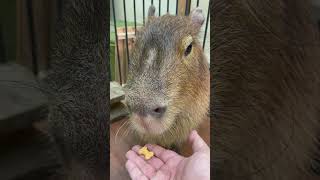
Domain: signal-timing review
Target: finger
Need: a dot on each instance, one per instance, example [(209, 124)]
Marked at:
[(145, 168), (161, 153), (136, 149), (154, 161), (197, 142), (134, 171)]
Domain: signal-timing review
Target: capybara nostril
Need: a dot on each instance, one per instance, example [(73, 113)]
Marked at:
[(146, 109), (159, 111)]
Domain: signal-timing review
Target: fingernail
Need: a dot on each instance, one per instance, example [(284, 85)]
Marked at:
[(127, 154), (194, 131), (149, 145)]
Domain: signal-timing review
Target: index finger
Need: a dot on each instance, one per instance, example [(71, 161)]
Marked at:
[(146, 168)]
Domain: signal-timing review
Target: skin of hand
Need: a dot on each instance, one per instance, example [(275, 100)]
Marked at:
[(168, 165)]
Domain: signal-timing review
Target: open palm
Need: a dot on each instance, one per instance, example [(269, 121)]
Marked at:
[(168, 165)]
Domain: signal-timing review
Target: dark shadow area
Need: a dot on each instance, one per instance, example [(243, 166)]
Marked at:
[(28, 31)]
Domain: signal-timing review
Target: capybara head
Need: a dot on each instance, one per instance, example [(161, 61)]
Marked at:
[(168, 82)]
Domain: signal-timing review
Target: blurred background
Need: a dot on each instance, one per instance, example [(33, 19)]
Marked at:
[(26, 34)]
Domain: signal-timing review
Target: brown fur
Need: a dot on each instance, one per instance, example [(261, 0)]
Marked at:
[(266, 95), (182, 82)]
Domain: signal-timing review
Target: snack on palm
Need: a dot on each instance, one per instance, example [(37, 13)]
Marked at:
[(147, 154)]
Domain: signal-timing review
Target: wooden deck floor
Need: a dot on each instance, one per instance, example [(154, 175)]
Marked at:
[(124, 143)]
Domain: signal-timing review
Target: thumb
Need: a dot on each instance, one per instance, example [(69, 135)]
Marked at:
[(197, 142)]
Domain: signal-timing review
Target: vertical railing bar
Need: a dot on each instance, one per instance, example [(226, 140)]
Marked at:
[(197, 3), (115, 29), (59, 9), (205, 31), (3, 57), (167, 6), (159, 7), (109, 62), (33, 44), (126, 28), (143, 10), (108, 49), (59, 16), (187, 8), (135, 20), (176, 7)]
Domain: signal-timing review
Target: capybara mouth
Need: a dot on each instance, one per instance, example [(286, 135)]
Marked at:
[(148, 124)]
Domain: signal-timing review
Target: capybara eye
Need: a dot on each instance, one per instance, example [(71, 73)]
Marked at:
[(188, 50)]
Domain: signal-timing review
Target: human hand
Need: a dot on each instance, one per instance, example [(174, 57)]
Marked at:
[(168, 165)]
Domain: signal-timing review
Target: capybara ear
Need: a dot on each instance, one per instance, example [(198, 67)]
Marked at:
[(197, 18), (151, 13)]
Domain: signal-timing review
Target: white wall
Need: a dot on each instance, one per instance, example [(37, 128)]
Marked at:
[(119, 11)]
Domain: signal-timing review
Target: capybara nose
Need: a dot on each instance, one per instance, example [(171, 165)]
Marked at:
[(146, 109), (143, 106)]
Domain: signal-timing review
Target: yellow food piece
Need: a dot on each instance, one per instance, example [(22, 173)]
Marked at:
[(147, 154)]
